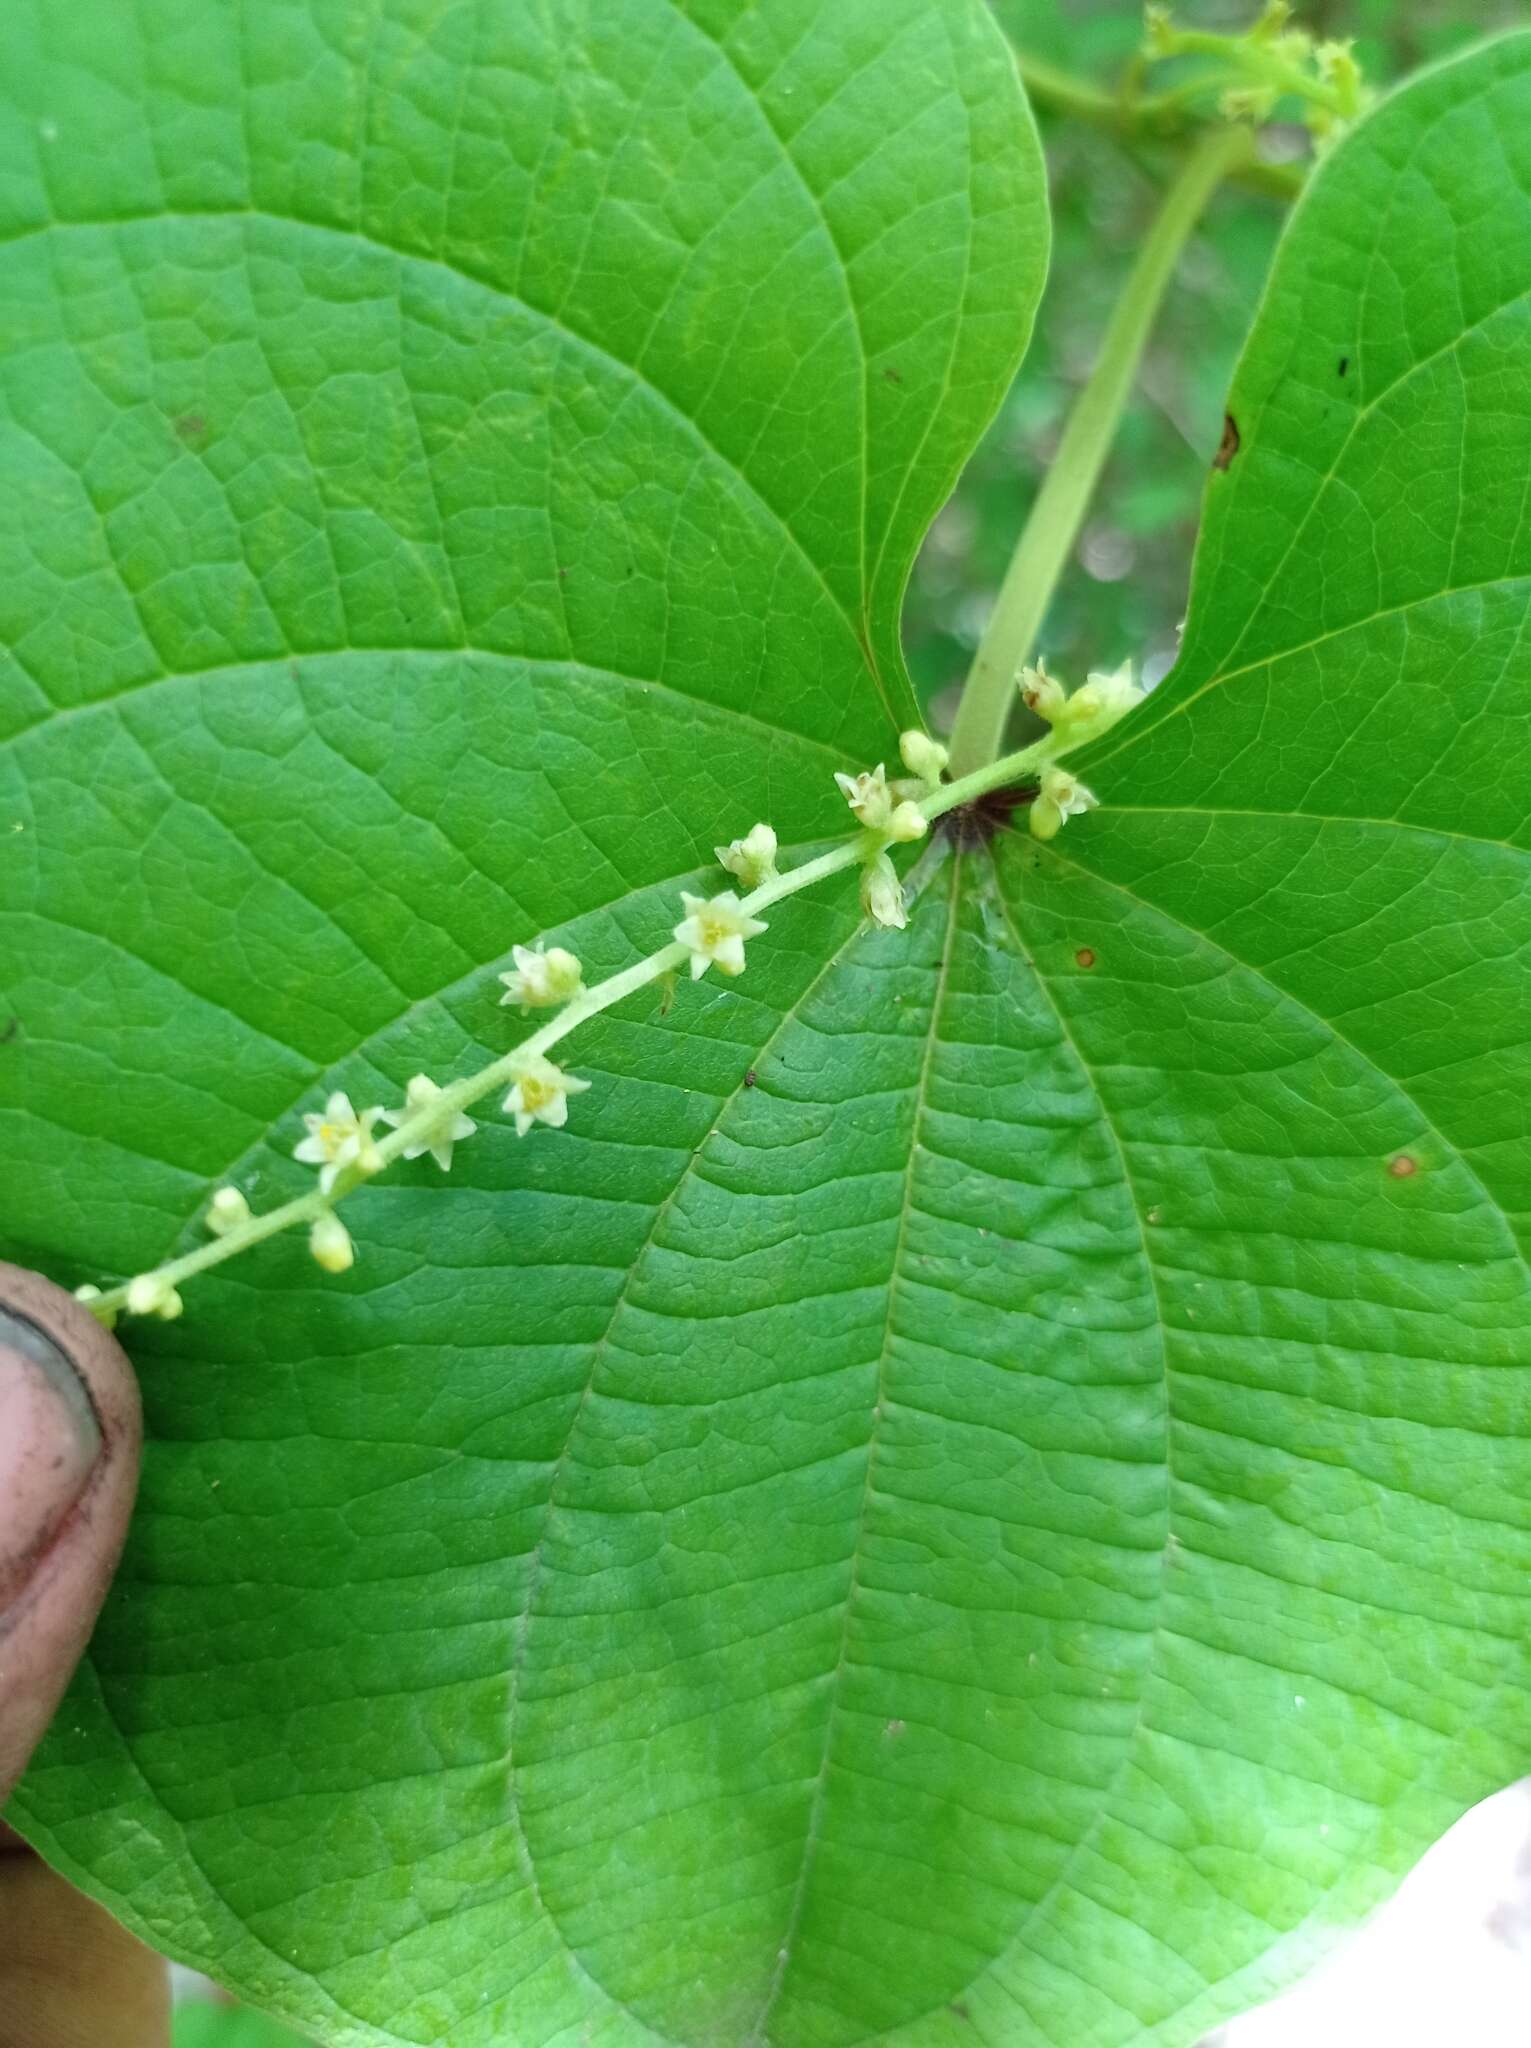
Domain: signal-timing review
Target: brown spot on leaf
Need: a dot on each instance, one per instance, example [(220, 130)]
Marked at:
[(893, 376), (191, 426), (1403, 1167), (1228, 447), (1085, 957), (750, 1077)]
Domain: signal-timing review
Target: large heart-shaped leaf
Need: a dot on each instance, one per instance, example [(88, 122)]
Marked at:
[(981, 1486)]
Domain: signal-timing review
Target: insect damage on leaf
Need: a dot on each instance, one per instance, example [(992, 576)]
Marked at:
[(1228, 447)]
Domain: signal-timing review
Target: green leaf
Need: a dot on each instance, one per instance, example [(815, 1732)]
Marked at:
[(462, 462), (981, 1487)]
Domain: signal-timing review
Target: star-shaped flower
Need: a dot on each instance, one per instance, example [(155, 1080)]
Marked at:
[(541, 1093), (436, 1131), (341, 1137), (714, 930), (1062, 796), (544, 976), (869, 797)]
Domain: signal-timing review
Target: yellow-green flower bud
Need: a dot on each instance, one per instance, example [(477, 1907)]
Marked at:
[(330, 1243), (1042, 693), (151, 1294), (922, 755), (227, 1211), (905, 822), (882, 896)]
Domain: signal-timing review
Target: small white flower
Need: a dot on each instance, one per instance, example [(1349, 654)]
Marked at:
[(869, 797), (922, 755), (544, 976), (1041, 693), (541, 1093), (752, 858), (436, 1133), (906, 822), (151, 1294), (1062, 797), (227, 1211), (330, 1243), (882, 896), (341, 1137), (714, 930)]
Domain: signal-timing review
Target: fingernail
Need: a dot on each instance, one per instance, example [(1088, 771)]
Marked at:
[(49, 1443)]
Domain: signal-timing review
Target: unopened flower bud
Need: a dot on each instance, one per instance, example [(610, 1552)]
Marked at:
[(906, 821), (882, 896), (1100, 702), (227, 1211), (1041, 692), (330, 1243), (86, 1295), (922, 755), (151, 1294)]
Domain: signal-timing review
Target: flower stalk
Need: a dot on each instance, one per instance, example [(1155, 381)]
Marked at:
[(1053, 526), (348, 1154)]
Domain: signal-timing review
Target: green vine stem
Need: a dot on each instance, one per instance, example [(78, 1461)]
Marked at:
[(1153, 117), (1050, 532), (459, 1095)]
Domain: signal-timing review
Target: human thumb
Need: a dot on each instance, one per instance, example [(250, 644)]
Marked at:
[(69, 1441)]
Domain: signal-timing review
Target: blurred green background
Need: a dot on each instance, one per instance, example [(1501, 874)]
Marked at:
[(1124, 590)]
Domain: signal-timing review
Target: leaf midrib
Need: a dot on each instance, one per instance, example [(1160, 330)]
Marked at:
[(524, 1622), (813, 1832)]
